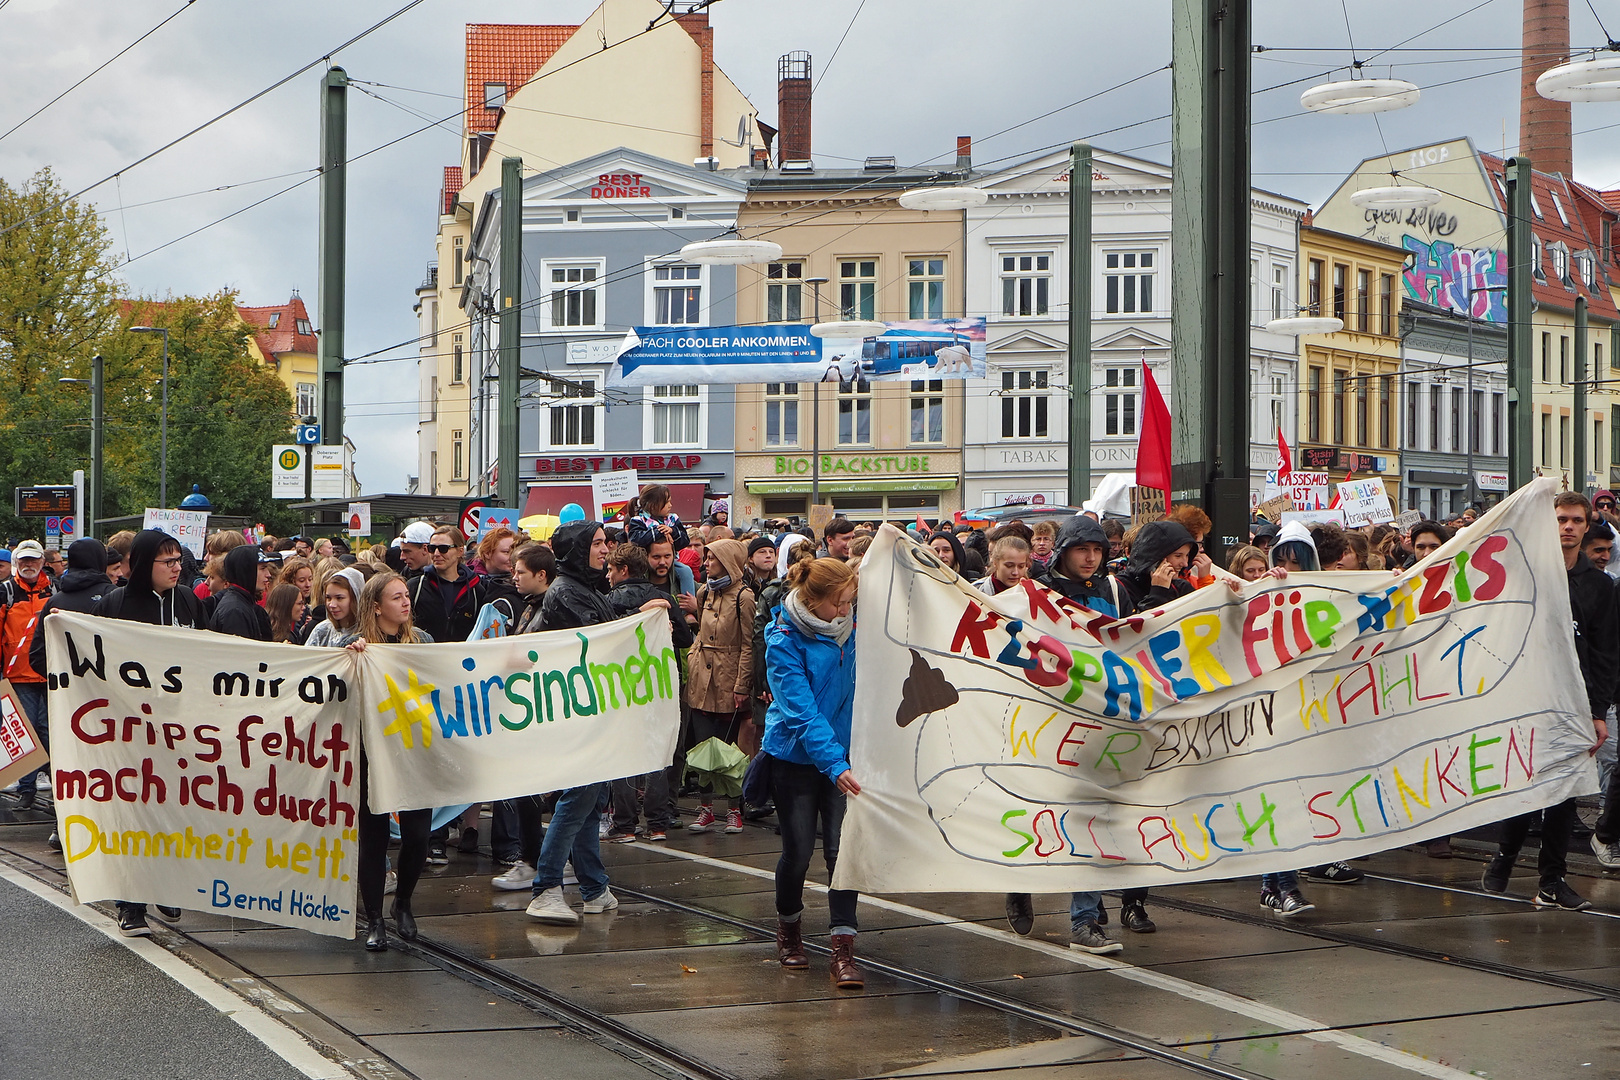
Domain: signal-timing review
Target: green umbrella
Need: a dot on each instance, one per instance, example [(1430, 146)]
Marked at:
[(719, 764)]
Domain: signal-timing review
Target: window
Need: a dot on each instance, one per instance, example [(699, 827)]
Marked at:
[(1313, 406), (1456, 420), (1614, 432), (1363, 300), (1386, 408), (1026, 284), (1535, 205), (1536, 269), (1024, 404), (855, 413), (1128, 281), (302, 325), (1560, 263), (570, 215), (458, 363), (784, 292), (1563, 442), (458, 455), (494, 98), (275, 320), (1341, 277), (1476, 410), (433, 398), (433, 471), (1279, 292), (1386, 305), (1496, 423), (781, 414), (1255, 305), (1546, 440), (304, 404), (857, 289), (1434, 417), (574, 423), (457, 260), (1338, 408), (1558, 205), (676, 415), (1584, 265), (1546, 358), (1597, 360), (1597, 445), (1276, 403), (1361, 411), (925, 288), (1563, 359), (1119, 401), (1313, 287), (677, 296), (928, 411), (575, 293), (1414, 394)]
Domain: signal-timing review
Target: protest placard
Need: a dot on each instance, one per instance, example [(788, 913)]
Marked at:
[(1308, 490), (1365, 502), (190, 527), (205, 772), (21, 752), (611, 492), (1036, 746)]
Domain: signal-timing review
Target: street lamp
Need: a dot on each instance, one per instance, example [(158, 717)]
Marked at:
[(1354, 96), (163, 439), (93, 511)]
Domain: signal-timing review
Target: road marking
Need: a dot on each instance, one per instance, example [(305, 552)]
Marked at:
[(249, 1015), (1220, 999)]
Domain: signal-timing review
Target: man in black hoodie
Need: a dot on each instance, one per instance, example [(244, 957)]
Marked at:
[(1597, 635), (247, 571), (81, 589), (151, 596), (1153, 574)]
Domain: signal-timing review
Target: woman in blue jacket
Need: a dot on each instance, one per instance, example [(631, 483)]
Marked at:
[(810, 666)]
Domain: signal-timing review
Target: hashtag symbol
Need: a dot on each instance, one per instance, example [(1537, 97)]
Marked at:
[(407, 707)]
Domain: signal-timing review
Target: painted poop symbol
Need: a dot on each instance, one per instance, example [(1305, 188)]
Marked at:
[(925, 691)]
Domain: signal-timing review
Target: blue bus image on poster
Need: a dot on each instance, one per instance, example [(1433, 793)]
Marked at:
[(913, 349)]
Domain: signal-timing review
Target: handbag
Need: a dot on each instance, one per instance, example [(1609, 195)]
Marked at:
[(756, 785)]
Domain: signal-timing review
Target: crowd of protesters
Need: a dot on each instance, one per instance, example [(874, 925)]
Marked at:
[(764, 625)]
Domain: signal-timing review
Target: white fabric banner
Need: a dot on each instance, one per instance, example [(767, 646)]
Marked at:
[(520, 715), (205, 772), (1034, 746)]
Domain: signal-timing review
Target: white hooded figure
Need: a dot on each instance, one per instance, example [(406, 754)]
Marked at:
[(1295, 549)]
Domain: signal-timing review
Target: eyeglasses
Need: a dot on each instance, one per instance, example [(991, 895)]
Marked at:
[(440, 549), (171, 563)]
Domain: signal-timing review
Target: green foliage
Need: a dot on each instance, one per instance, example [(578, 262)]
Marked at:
[(59, 306)]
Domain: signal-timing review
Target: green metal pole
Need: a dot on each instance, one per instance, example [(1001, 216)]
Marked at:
[(333, 227), (97, 419), (506, 436), (1521, 403), (1579, 482), (1079, 324)]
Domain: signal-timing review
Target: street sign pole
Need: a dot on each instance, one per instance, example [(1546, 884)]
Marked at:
[(333, 227), (506, 435)]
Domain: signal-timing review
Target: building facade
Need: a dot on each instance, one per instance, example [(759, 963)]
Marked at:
[(601, 255), (284, 340)]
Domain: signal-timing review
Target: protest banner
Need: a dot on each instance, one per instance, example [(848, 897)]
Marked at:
[(908, 349), (1324, 516), (204, 771), (611, 493), (1365, 502), (1306, 489), (1035, 746), (512, 716), (190, 527)]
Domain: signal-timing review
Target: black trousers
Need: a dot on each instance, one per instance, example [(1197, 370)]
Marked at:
[(802, 797), (1556, 823), (414, 826)]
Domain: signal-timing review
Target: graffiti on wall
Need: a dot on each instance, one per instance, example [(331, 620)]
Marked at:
[(1457, 279)]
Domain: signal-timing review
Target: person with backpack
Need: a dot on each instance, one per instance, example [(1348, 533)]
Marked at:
[(722, 663), (25, 594)]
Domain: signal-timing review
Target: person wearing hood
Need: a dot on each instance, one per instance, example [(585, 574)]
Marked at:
[(83, 585), (577, 598), (1153, 573), (152, 595), (721, 663), (949, 551), (248, 571), (1294, 550), (1265, 534)]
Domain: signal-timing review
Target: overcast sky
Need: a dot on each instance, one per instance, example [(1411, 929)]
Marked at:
[(908, 78)]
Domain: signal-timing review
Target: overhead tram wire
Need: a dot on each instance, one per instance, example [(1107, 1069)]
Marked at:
[(239, 106), (842, 37), (98, 70)]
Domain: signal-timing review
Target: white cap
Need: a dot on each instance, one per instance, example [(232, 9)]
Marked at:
[(417, 532), (28, 549)]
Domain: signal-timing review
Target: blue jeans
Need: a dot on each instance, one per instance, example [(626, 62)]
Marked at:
[(573, 837), (1085, 908), (1284, 881), (31, 696)]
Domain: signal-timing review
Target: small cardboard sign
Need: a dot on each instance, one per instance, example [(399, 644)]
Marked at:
[(1408, 519), (1275, 508), (21, 752), (820, 515), (612, 492), (1147, 504)]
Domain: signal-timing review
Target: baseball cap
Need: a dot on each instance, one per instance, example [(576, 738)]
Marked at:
[(5, 555), (417, 532), (28, 549)]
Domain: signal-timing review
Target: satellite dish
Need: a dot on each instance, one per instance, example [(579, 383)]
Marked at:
[(742, 132)]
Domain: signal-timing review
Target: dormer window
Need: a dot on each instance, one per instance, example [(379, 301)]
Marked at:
[(1535, 260), (1558, 205), (275, 320), (1560, 263), (304, 327), (494, 95)]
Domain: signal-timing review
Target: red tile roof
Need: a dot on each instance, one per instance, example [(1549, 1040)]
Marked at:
[(284, 336), (449, 189), (1550, 228), (498, 53), (1611, 198)]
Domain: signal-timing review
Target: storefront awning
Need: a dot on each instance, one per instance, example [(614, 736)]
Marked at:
[(551, 498), (772, 486)]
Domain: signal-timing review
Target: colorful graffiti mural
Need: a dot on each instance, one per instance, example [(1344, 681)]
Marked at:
[(1457, 279)]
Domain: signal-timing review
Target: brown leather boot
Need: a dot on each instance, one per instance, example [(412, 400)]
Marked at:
[(845, 975), (790, 946)]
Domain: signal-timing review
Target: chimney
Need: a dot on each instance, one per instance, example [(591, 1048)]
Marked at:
[(793, 107), (1545, 135), (964, 152), (696, 23)]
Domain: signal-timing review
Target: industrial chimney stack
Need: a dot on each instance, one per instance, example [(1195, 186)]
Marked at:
[(1545, 130), (793, 107)]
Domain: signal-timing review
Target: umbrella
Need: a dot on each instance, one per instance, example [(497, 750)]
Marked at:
[(719, 764), (539, 526)]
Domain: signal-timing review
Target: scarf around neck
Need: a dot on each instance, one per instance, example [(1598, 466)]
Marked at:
[(838, 629)]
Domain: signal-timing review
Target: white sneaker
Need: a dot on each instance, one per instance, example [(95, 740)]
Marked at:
[(550, 907), (1608, 855), (520, 876), (606, 902)]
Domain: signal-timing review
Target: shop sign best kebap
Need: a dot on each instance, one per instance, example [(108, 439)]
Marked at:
[(1036, 746), (218, 774)]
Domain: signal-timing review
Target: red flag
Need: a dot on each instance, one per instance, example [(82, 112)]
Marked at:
[(1153, 442), (922, 526), (1285, 459)]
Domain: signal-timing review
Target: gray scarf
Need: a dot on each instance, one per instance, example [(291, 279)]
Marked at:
[(838, 629)]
